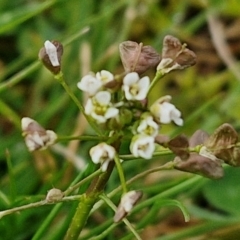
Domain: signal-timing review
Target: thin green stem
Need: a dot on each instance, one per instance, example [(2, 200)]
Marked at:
[(86, 179), (163, 152), (37, 204), (11, 175), (158, 76), (166, 166), (10, 114), (120, 173), (174, 190), (82, 138), (62, 81), (43, 228), (114, 208)]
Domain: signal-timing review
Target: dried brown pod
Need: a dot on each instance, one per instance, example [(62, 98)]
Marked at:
[(200, 165), (198, 138), (162, 139), (203, 163), (179, 145), (175, 55), (222, 144), (138, 58)]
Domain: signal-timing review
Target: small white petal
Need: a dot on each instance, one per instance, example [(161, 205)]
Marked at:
[(51, 51), (126, 90), (104, 76), (89, 107), (52, 137), (103, 97), (135, 88), (25, 122), (128, 207), (99, 118), (143, 88), (102, 153), (89, 84), (130, 78), (178, 121), (37, 139), (165, 112), (142, 146), (148, 126), (111, 112), (105, 166)]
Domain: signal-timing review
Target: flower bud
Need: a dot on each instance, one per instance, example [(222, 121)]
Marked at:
[(165, 112), (103, 154), (128, 201), (54, 195), (50, 55), (175, 55), (36, 137), (138, 58)]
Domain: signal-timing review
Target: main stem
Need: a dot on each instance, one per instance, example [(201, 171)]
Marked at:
[(86, 203)]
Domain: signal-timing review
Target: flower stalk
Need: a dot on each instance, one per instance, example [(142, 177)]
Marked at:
[(62, 81)]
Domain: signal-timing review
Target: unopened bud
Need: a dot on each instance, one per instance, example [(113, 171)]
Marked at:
[(54, 195), (50, 55), (36, 137), (128, 201)]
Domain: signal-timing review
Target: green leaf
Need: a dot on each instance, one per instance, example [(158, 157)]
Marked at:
[(224, 194), (9, 20)]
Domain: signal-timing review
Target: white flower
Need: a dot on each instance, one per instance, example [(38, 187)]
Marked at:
[(102, 153), (36, 137), (148, 126), (100, 107), (134, 87), (51, 51), (142, 146), (104, 76), (165, 112), (90, 84), (128, 201)]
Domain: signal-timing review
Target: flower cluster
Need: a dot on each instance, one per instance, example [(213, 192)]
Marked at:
[(118, 102)]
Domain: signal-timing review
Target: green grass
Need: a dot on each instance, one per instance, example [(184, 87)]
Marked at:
[(207, 95)]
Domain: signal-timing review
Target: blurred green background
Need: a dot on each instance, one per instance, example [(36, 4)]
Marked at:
[(207, 94)]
